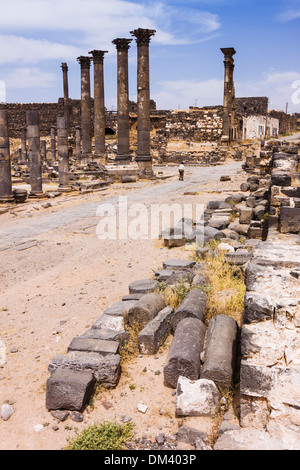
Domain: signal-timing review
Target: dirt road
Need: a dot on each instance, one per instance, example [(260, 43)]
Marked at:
[(56, 279)]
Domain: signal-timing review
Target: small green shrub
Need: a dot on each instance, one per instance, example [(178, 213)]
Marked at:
[(106, 436)]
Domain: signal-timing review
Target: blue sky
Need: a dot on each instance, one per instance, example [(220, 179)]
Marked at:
[(186, 64)]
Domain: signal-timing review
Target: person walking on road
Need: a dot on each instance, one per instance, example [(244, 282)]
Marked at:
[(181, 171)]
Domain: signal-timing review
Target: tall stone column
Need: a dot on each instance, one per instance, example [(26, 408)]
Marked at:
[(99, 108), (23, 145), (53, 144), (78, 143), (229, 95), (123, 157), (6, 194), (65, 69), (86, 135), (143, 158), (63, 155), (43, 151), (34, 153)]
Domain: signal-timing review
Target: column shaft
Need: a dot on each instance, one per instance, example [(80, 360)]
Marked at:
[(85, 64), (123, 155), (143, 157), (78, 143), (43, 151), (66, 95), (53, 144), (6, 194), (23, 145), (34, 153), (99, 108), (63, 155), (229, 94)]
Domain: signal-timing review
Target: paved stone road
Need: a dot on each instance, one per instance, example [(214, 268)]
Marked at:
[(29, 228)]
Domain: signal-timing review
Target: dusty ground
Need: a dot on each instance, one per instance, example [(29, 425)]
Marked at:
[(57, 286)]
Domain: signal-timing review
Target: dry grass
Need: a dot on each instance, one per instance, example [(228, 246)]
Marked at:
[(174, 294), (226, 288)]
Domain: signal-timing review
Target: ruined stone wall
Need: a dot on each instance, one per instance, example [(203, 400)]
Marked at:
[(287, 122), (251, 106)]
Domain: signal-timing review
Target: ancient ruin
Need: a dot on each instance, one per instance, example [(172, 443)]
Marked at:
[(215, 379)]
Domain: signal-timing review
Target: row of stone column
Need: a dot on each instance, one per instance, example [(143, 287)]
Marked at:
[(143, 157), (35, 152), (23, 151)]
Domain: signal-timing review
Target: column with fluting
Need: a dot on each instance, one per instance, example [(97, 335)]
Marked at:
[(64, 67), (63, 155), (123, 156), (143, 158), (6, 194), (99, 107), (34, 153), (86, 135), (228, 102)]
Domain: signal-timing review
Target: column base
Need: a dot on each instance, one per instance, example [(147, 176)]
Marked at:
[(100, 158), (145, 168), (7, 199), (64, 189), (36, 195), (123, 160)]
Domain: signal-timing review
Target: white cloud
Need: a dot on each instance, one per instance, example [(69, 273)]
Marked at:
[(24, 50), (185, 93), (95, 23), (289, 15), (29, 77), (278, 86)]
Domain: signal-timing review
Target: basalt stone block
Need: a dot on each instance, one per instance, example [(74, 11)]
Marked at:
[(258, 307), (106, 335), (256, 380), (290, 219), (281, 178), (143, 286), (245, 187), (146, 309), (132, 297), (212, 233), (218, 222), (193, 305), (180, 276), (242, 229), (69, 389), (245, 215), (178, 264), (120, 308), (259, 212), (238, 258), (105, 369), (185, 350), (100, 346), (155, 332), (235, 198), (213, 204), (220, 351)]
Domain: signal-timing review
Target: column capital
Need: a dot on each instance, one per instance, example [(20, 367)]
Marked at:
[(64, 66), (122, 44), (143, 36), (98, 56), (228, 53), (85, 62)]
